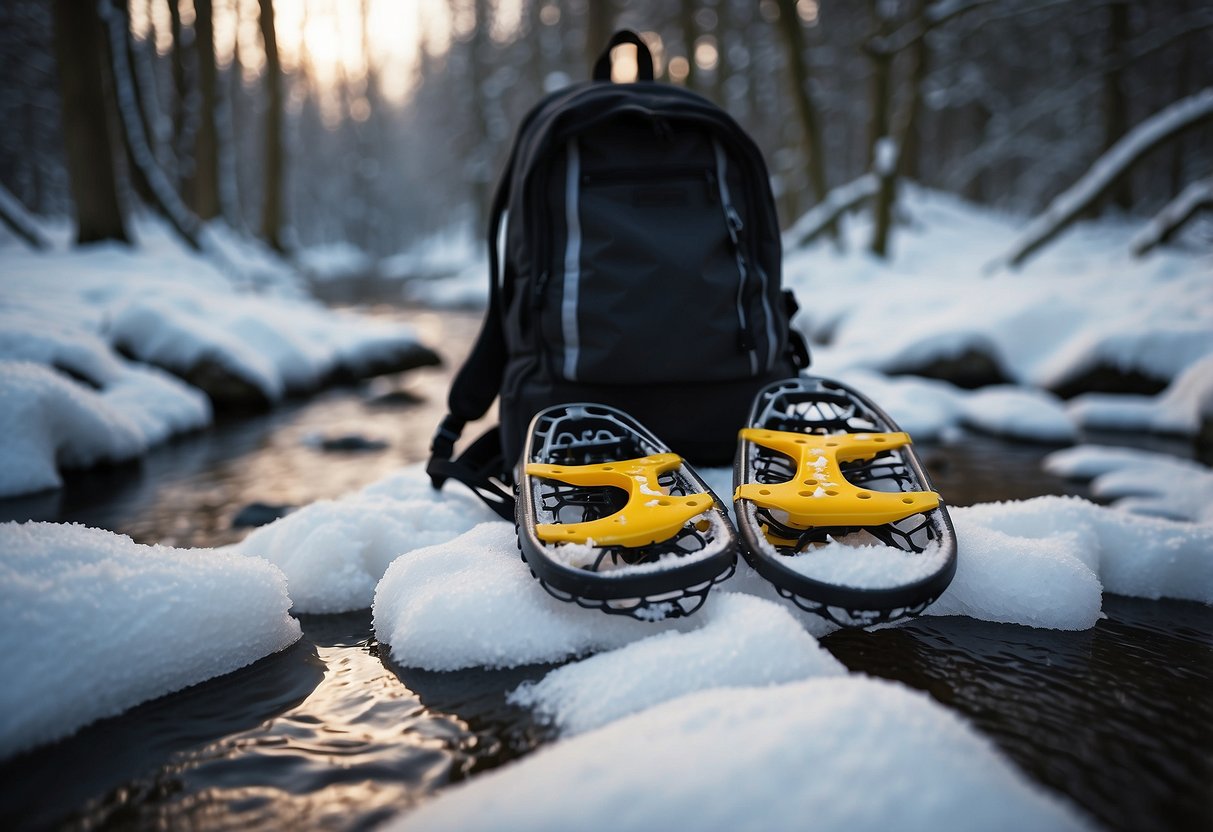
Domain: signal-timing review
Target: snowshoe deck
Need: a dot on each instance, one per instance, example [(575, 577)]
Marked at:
[(609, 518), (821, 462)]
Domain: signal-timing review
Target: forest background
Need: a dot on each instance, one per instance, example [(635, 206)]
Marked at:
[(381, 123)]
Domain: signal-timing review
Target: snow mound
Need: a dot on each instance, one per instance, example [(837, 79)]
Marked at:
[(1042, 562), (92, 624), (1181, 409), (49, 421), (1140, 481), (921, 407), (740, 641), (471, 602), (333, 553), (848, 754), (1019, 413), (274, 345)]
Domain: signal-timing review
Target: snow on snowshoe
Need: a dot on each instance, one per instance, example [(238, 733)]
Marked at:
[(609, 518), (835, 509)]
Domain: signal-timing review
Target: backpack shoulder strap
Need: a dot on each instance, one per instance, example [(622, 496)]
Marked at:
[(481, 467)]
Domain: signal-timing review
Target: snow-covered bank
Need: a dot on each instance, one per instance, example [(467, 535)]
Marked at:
[(237, 329), (1140, 481), (847, 753), (48, 421), (92, 624), (1084, 305)]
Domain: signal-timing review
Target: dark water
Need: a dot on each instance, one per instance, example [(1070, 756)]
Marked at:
[(330, 735)]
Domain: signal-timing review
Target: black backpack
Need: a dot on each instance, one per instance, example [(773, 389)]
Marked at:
[(641, 270)]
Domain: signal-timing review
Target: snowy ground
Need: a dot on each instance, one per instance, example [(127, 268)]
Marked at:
[(95, 344)]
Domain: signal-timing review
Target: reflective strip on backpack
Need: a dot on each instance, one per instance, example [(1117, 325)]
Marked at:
[(572, 262)]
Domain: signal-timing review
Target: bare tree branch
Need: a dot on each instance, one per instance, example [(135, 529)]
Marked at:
[(1107, 171), (20, 221), (1196, 197)]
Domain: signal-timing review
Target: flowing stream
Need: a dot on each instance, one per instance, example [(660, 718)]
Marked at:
[(331, 734)]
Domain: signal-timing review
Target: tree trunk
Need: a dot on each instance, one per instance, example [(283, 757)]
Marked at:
[(88, 123), (690, 33), (599, 23), (883, 151), (203, 185), (1115, 107), (144, 169), (910, 115), (271, 207), (798, 69), (19, 221), (182, 154)]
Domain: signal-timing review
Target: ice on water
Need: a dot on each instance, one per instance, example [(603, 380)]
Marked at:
[(92, 624), (839, 753)]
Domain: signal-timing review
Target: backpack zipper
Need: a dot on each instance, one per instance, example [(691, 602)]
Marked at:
[(734, 225)]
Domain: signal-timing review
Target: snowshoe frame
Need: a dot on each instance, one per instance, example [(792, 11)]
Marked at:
[(587, 434), (819, 406)]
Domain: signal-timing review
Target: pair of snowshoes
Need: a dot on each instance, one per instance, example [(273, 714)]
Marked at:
[(609, 518)]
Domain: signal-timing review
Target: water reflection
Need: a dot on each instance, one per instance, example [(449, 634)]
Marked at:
[(1119, 717)]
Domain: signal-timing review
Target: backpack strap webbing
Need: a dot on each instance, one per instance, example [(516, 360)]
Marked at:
[(481, 467)]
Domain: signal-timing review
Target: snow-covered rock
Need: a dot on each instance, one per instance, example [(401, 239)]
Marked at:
[(92, 624), (848, 754), (1183, 408), (471, 602)]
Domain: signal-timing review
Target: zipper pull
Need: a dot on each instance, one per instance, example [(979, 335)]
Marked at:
[(539, 294), (734, 224)]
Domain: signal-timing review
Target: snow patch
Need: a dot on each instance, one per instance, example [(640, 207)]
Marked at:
[(1141, 482), (849, 754), (334, 552), (472, 602), (740, 641)]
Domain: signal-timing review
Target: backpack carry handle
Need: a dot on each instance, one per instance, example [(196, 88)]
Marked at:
[(644, 58)]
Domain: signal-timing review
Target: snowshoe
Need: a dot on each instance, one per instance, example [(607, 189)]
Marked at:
[(609, 518), (821, 465)]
